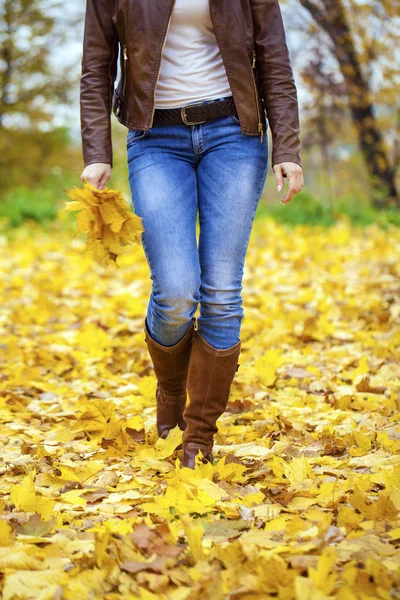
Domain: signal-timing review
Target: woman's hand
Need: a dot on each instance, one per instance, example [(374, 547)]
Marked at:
[(97, 174), (294, 174)]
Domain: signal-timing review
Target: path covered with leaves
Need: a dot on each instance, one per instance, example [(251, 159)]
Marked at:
[(303, 500)]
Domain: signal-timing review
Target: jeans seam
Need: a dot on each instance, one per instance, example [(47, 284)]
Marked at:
[(256, 203), (147, 253)]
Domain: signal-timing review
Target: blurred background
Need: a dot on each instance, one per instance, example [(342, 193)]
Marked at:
[(346, 61)]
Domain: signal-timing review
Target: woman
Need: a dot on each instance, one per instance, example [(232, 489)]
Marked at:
[(196, 79)]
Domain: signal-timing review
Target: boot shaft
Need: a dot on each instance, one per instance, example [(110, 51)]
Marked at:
[(210, 375), (171, 363)]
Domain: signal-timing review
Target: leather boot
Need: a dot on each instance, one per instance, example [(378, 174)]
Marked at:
[(211, 371), (171, 366)]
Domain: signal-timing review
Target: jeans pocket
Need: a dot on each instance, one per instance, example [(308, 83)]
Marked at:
[(135, 134), (235, 118)]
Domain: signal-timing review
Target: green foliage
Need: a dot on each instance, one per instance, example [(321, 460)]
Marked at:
[(22, 204), (302, 210), (357, 213), (305, 209), (390, 216)]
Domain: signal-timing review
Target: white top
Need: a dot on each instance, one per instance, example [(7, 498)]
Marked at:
[(191, 66)]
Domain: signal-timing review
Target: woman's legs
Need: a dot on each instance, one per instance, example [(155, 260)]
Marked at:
[(230, 178), (163, 184), (164, 193), (175, 170)]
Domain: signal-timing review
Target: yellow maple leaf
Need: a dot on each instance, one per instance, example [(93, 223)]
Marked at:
[(267, 365), (298, 470), (324, 576), (94, 415), (34, 584), (232, 472), (102, 537), (24, 497), (194, 532), (6, 534)]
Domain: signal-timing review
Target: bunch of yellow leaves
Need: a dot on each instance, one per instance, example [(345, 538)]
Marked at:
[(104, 215)]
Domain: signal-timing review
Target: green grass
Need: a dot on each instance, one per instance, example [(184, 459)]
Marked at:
[(40, 205), (305, 209), (21, 205)]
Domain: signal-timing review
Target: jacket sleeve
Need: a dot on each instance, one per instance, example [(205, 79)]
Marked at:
[(98, 73), (276, 80)]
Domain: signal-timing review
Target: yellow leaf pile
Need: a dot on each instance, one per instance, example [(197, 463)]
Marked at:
[(105, 217), (303, 500)]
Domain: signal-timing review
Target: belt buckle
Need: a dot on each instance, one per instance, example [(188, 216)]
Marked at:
[(183, 113)]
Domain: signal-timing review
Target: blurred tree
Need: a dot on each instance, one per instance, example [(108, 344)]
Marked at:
[(32, 86), (325, 114), (361, 36)]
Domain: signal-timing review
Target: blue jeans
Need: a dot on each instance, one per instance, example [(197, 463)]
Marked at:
[(175, 172)]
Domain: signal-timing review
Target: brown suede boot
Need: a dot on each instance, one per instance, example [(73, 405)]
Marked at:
[(211, 371), (171, 366)]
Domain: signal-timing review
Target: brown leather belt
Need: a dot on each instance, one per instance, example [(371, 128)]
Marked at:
[(195, 113)]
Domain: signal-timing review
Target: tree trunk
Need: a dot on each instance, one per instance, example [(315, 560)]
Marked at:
[(381, 173)]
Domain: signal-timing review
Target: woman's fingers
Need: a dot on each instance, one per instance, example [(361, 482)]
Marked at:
[(103, 181), (278, 176), (294, 174)]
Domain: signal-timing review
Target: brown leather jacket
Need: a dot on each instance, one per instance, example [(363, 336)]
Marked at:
[(251, 39)]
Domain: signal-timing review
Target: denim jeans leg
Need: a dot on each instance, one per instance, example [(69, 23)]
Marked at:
[(230, 178), (164, 193)]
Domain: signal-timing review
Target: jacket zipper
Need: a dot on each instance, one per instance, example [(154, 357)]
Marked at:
[(124, 74), (260, 126), (124, 49), (159, 66)]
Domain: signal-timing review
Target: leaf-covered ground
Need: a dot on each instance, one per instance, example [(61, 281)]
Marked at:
[(303, 500)]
